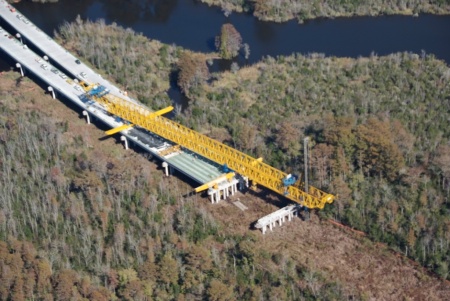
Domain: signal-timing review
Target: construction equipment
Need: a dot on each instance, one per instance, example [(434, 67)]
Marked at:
[(254, 169)]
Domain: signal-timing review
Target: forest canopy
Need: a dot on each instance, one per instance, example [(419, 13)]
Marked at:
[(80, 219), (379, 129), (301, 10)]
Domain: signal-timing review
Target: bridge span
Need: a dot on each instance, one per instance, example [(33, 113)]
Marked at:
[(195, 155), (62, 72), (61, 84)]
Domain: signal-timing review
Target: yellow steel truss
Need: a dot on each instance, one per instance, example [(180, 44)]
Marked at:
[(256, 170)]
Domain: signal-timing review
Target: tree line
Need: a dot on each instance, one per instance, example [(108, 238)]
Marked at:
[(380, 139), (378, 126), (81, 220), (301, 10)]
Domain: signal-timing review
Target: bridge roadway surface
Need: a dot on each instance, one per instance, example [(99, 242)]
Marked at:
[(192, 165), (32, 34)]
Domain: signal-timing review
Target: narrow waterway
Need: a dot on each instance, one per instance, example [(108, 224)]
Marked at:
[(194, 25)]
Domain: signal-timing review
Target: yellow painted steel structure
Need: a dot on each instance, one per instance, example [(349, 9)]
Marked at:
[(256, 170), (259, 160), (214, 183), (170, 150), (118, 129)]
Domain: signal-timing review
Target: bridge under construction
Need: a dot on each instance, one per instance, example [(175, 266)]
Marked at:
[(219, 168)]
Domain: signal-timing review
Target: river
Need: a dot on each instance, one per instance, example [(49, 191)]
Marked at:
[(194, 25)]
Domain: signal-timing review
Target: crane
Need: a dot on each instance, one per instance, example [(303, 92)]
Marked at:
[(233, 160)]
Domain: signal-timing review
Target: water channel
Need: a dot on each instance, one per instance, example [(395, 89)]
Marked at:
[(194, 25)]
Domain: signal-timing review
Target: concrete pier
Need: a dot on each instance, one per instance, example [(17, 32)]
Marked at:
[(166, 168), (125, 141), (223, 190), (280, 216), (18, 65), (88, 119), (50, 89)]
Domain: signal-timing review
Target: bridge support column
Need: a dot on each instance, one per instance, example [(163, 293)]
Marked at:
[(50, 89), (21, 69), (88, 119), (166, 168), (19, 37), (125, 141)]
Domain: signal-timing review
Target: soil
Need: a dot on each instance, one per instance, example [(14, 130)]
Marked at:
[(337, 253)]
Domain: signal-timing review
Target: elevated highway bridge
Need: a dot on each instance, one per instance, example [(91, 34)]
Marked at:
[(201, 158)]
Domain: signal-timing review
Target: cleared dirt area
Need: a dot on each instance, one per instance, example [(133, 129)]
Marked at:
[(338, 253), (335, 252)]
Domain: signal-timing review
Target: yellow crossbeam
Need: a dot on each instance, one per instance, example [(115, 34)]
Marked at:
[(161, 112), (127, 126), (216, 151), (215, 181), (118, 129), (257, 161)]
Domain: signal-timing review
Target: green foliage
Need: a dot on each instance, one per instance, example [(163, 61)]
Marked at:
[(279, 11), (113, 225), (380, 132), (124, 56), (90, 211), (228, 42)]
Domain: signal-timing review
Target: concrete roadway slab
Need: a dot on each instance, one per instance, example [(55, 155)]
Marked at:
[(192, 165)]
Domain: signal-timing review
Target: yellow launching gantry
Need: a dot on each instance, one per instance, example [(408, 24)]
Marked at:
[(253, 169)]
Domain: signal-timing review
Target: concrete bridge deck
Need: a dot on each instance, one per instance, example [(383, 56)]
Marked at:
[(189, 164), (31, 34)]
